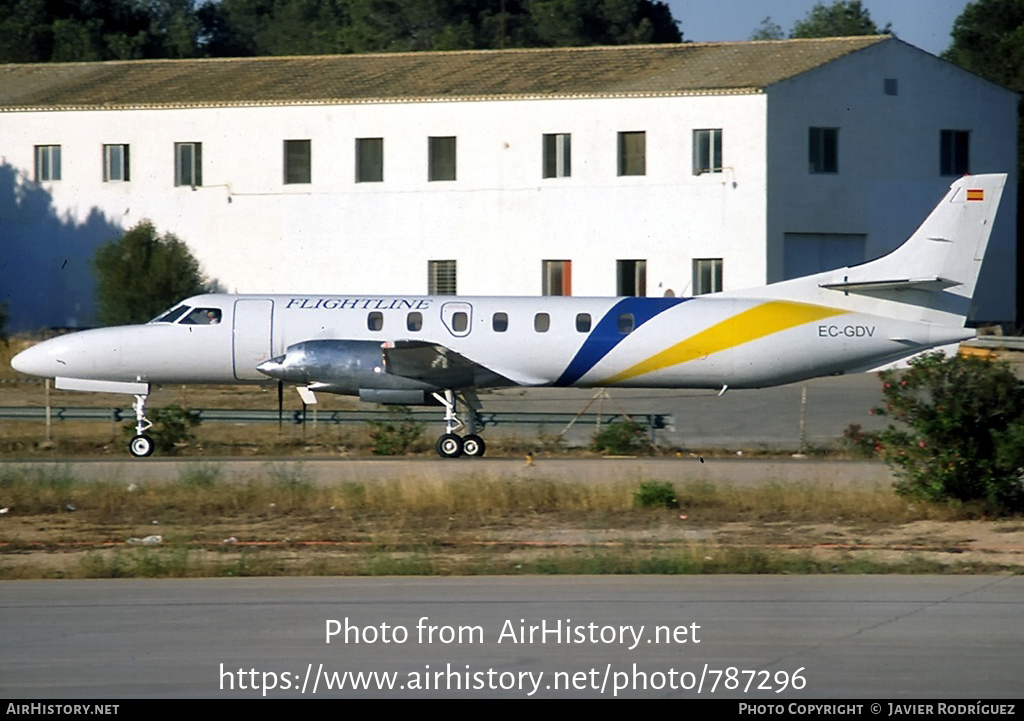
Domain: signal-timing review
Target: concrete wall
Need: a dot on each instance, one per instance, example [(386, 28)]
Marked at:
[(499, 219), (889, 155)]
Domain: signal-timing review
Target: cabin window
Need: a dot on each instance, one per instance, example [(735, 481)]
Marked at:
[(460, 321), (541, 322), (414, 321), (499, 322), (626, 323), (202, 316), (375, 320), (583, 322)]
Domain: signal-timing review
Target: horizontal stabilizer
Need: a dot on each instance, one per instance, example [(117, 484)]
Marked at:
[(929, 284)]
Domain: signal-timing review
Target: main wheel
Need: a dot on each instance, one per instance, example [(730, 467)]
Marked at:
[(449, 446), (141, 446), (473, 446)]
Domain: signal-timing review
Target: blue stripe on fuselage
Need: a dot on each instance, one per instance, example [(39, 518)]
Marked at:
[(606, 335)]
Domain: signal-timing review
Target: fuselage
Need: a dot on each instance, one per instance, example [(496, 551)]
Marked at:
[(701, 342)]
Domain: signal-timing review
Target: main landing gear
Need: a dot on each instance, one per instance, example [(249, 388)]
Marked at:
[(451, 444), (141, 445)]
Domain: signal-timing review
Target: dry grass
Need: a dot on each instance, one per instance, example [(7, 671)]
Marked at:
[(279, 522)]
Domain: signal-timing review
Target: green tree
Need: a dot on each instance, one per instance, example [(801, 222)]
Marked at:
[(53, 31), (840, 19), (141, 274), (767, 30), (303, 27), (959, 431)]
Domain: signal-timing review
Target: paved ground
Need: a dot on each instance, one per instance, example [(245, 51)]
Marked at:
[(790, 638)]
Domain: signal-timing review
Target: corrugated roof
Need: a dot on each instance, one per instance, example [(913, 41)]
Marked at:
[(632, 70)]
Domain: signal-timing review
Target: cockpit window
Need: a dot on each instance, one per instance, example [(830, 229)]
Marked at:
[(170, 316), (202, 316)]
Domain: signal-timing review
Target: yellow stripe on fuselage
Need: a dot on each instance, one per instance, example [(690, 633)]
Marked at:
[(758, 322)]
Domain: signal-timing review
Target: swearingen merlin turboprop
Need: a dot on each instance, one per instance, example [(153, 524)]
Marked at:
[(421, 349)]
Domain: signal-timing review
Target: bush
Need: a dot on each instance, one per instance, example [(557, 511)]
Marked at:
[(960, 430), (859, 442), (397, 435), (655, 494), (621, 438)]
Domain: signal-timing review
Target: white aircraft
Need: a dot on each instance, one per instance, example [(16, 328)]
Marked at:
[(419, 349)]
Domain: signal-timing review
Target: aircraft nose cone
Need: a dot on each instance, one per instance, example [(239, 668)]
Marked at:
[(37, 361), (273, 367)]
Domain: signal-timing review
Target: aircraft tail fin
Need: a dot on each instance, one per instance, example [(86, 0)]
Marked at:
[(931, 277)]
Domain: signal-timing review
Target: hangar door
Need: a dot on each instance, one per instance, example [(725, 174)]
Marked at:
[(251, 333)]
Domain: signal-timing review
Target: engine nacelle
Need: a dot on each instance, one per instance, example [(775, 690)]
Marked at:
[(339, 366)]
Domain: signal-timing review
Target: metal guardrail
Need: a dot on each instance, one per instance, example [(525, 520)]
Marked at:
[(996, 342), (298, 417)]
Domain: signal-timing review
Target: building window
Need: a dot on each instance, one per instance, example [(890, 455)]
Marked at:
[(954, 152), (707, 275), (891, 86), (441, 277), (115, 163), (633, 153), (707, 151), (499, 322), (47, 163), (557, 278), (188, 164), (298, 161), (631, 277), (557, 155), (369, 160), (823, 150), (441, 164)]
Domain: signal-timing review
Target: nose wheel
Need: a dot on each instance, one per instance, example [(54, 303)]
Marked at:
[(450, 444), (141, 446)]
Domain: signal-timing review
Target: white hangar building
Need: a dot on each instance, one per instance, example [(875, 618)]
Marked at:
[(650, 170)]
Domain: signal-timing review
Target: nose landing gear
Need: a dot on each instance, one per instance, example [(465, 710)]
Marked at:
[(451, 444), (141, 445)]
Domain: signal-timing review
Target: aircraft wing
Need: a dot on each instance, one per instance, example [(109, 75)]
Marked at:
[(436, 364)]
